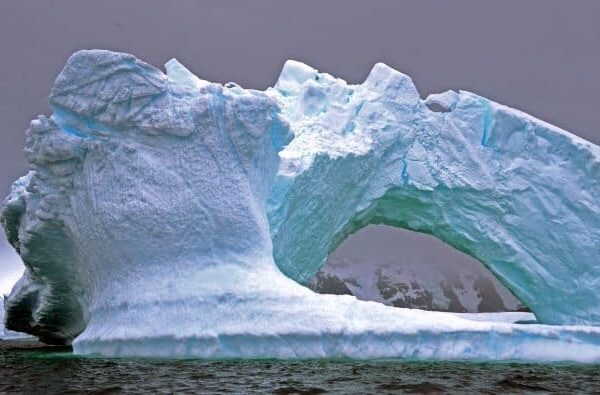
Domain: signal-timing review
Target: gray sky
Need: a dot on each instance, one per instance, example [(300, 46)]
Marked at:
[(540, 56)]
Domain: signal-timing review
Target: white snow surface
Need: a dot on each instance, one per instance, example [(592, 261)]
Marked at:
[(166, 216)]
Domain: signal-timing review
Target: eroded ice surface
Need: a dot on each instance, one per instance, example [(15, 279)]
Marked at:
[(168, 216)]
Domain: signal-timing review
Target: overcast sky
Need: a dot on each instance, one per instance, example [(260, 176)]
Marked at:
[(540, 56)]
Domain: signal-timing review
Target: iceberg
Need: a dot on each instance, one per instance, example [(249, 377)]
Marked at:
[(167, 216)]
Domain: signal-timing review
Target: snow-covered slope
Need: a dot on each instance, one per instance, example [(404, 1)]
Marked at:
[(160, 209)]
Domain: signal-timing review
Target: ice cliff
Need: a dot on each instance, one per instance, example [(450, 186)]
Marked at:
[(168, 216)]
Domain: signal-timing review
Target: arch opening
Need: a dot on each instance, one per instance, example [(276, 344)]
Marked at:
[(409, 269)]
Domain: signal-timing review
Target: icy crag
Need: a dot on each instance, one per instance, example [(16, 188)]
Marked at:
[(167, 216)]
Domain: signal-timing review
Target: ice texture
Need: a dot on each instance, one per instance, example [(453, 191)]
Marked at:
[(168, 216)]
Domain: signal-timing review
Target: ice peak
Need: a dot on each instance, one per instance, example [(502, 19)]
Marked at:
[(292, 77), (178, 72)]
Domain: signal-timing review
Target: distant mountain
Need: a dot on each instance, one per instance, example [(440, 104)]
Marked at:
[(416, 285)]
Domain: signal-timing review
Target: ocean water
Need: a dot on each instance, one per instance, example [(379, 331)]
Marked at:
[(28, 367)]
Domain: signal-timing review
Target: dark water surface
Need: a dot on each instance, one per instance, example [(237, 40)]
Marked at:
[(27, 367)]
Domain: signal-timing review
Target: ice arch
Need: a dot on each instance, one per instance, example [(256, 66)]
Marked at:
[(157, 208), (516, 193)]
